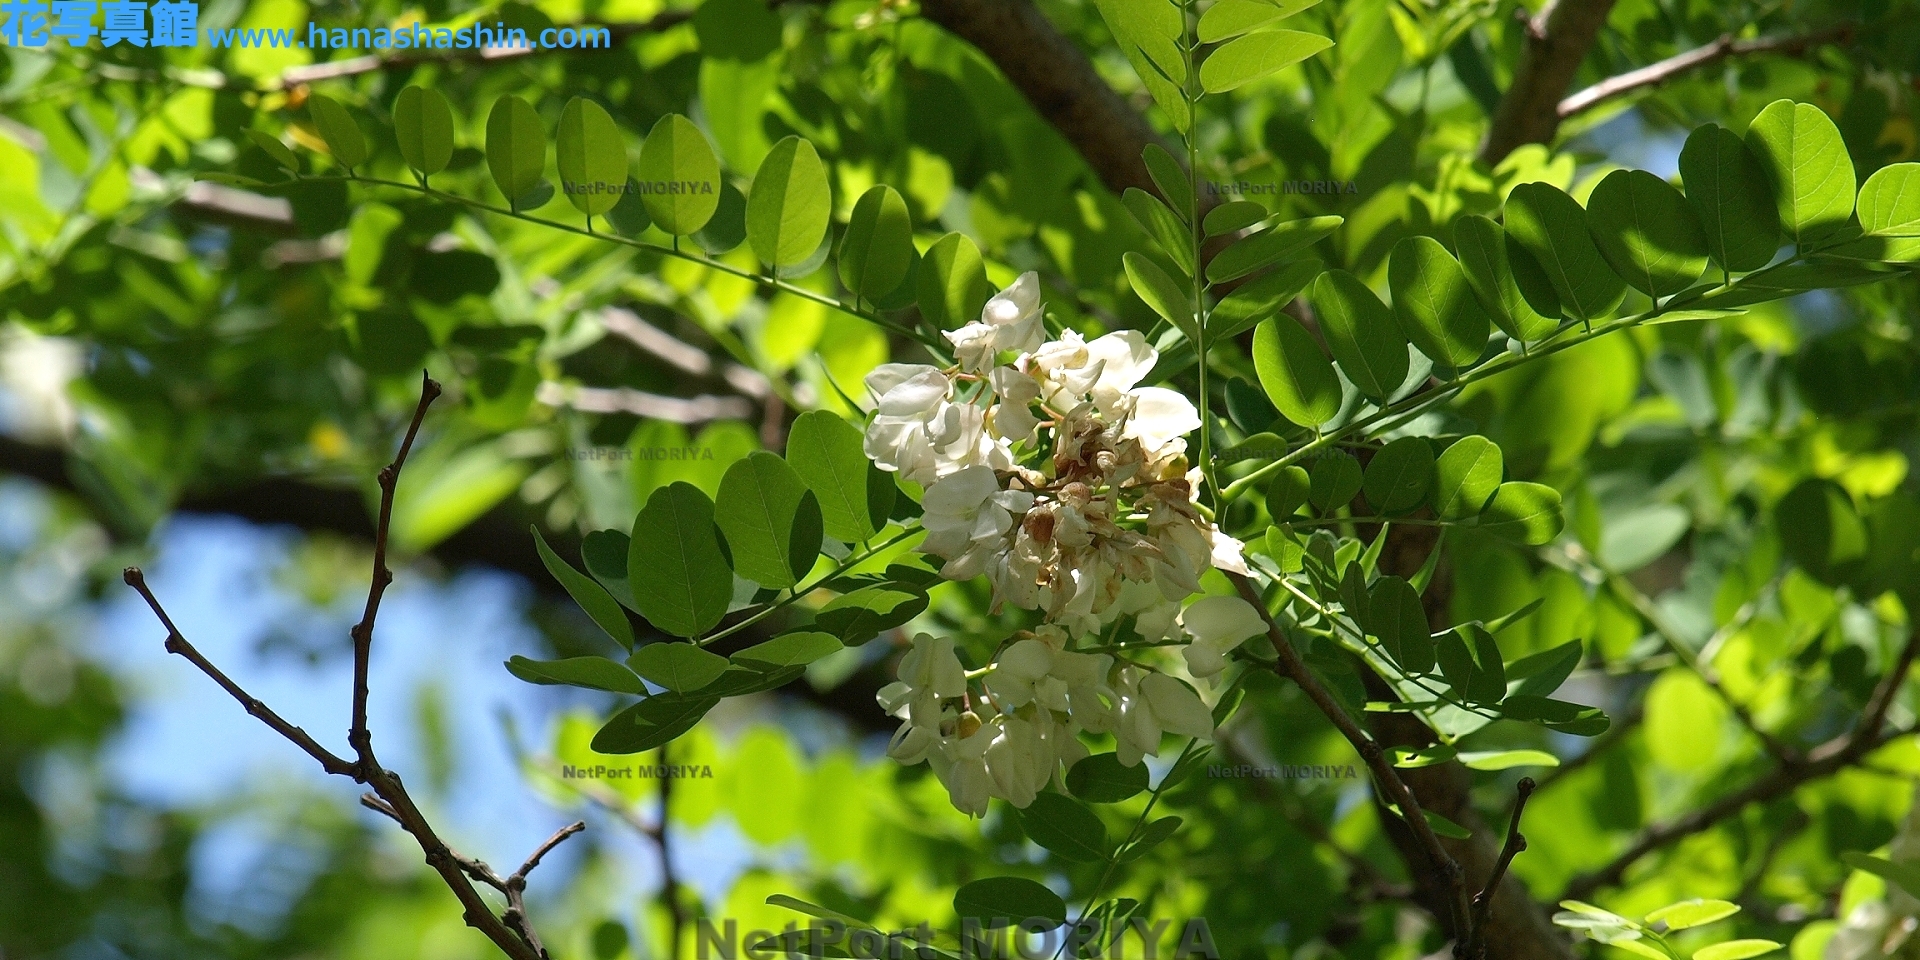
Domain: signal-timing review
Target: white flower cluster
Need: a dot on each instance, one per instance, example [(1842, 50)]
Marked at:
[(1104, 527)]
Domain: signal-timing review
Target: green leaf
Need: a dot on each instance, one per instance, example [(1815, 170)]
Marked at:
[(1400, 476), (789, 204), (1806, 162), (739, 681), (651, 722), (1639, 948), (1821, 530), (1155, 833), (1552, 227), (1271, 245), (1361, 332), (1102, 778), (1693, 913), (1505, 279), (1003, 901), (1647, 232), (337, 127), (768, 516), (795, 649), (423, 124), (1259, 299), (1730, 193), (1396, 615), (680, 667), (727, 228), (1066, 827), (1736, 950), (1234, 214), (1507, 759), (1161, 292), (1231, 18), (594, 673), (679, 577), (1149, 33), (827, 453), (1890, 201), (1468, 474), (591, 155), (1257, 55), (1287, 492), (1542, 673), (1165, 228), (862, 614), (1436, 309), (516, 147), (1175, 186), (1906, 876), (588, 593), (272, 146), (953, 282), (1335, 480), (1470, 662), (877, 249), (679, 176), (605, 554), (1527, 512), (1298, 378)]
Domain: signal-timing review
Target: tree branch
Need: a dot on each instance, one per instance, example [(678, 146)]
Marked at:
[(1483, 901), (1290, 666), (512, 932), (1726, 46), (1825, 760), (1557, 41), (1058, 80)]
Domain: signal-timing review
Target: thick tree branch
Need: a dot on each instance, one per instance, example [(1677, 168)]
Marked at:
[(510, 931), (1726, 46), (1392, 789), (1825, 760), (1557, 41), (1058, 79)]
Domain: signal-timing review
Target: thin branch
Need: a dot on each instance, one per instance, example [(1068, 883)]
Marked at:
[(1829, 758), (177, 644), (1476, 944), (362, 632), (1726, 46), (511, 932), (640, 403), (1290, 666)]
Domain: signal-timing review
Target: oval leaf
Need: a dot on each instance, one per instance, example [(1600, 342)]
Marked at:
[(680, 579), (1647, 232), (587, 592), (1527, 512), (1271, 245), (1361, 332), (877, 250), (1498, 280), (1004, 901), (1468, 473), (1730, 194), (1160, 291), (953, 282), (789, 205), (1396, 615), (651, 722), (1102, 778), (1806, 162), (1251, 57), (1553, 227), (796, 649), (1736, 950), (423, 125), (1693, 913), (759, 502), (337, 127), (1890, 201), (1066, 827), (679, 176), (592, 157), (516, 147), (828, 455), (1400, 476), (680, 667), (1436, 309), (1298, 378), (594, 673)]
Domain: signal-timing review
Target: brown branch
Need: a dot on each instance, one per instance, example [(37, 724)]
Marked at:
[(357, 736), (1829, 758), (177, 644), (1557, 41), (1058, 80), (1726, 46), (1476, 944), (1291, 667), (512, 932)]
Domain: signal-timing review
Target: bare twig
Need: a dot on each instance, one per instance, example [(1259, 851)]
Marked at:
[(1476, 943), (1726, 46), (1829, 758), (511, 931), (357, 736), (640, 403), (1290, 666)]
